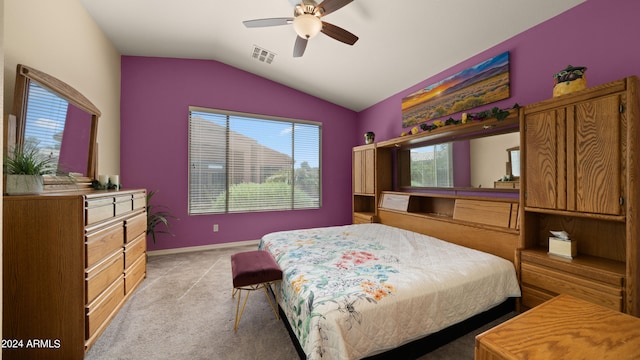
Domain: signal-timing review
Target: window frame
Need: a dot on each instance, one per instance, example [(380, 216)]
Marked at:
[(228, 169), (450, 167)]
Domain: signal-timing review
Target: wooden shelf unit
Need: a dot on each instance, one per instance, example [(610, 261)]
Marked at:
[(579, 174), (372, 174), (472, 129), (483, 223)]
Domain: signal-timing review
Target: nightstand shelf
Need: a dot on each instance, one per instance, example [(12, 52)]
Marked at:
[(591, 278)]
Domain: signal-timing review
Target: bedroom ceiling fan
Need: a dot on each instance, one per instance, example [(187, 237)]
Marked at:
[(307, 23)]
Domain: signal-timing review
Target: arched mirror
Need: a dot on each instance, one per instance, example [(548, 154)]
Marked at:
[(61, 121)]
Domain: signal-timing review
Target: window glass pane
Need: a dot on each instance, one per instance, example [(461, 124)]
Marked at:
[(307, 166), (45, 120), (207, 159), (431, 166), (259, 165), (244, 163)]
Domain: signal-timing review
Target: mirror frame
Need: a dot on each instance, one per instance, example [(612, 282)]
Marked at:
[(24, 76), (510, 156)]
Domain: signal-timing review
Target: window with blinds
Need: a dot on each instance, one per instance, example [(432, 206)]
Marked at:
[(244, 162), (45, 121), (432, 166)]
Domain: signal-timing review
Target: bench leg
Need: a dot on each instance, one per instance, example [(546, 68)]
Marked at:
[(248, 290), (275, 295), (241, 311)]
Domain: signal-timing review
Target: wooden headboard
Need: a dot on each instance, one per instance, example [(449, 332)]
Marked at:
[(486, 224)]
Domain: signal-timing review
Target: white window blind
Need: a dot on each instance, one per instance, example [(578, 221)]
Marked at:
[(432, 166), (243, 163), (45, 121)]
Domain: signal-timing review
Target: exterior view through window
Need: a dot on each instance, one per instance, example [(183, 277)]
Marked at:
[(431, 166), (245, 162)]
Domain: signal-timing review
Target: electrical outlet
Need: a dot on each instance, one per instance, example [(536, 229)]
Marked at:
[(215, 227)]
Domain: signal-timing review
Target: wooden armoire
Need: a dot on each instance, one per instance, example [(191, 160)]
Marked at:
[(580, 174)]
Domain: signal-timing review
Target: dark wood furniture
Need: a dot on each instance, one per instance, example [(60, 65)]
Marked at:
[(70, 261), (563, 328)]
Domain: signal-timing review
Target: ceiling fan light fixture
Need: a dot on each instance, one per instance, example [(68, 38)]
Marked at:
[(307, 25)]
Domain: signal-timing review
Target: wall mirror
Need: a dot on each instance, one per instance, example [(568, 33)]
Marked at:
[(474, 163), (61, 121)]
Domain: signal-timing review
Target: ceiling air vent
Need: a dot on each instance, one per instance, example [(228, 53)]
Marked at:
[(263, 55)]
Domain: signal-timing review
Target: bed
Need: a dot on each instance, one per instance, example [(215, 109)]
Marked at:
[(354, 291)]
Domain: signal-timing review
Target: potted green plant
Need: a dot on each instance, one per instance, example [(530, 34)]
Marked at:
[(157, 215), (24, 167)]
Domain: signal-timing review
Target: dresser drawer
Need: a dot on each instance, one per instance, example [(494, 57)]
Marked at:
[(123, 204), (556, 282), (134, 249), (139, 200), (99, 277), (360, 218), (135, 226), (98, 210), (134, 274), (103, 306), (102, 243), (532, 297)]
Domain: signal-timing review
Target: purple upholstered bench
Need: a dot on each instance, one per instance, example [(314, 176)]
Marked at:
[(254, 270)]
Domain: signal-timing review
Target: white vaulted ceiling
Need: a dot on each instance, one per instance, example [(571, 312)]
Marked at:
[(401, 42)]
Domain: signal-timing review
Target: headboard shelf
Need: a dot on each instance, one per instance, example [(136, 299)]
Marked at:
[(486, 224)]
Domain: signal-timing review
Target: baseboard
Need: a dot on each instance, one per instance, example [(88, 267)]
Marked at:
[(202, 248)]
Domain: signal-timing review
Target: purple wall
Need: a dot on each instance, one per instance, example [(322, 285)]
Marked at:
[(462, 164), (156, 93), (155, 98), (74, 149), (599, 34)]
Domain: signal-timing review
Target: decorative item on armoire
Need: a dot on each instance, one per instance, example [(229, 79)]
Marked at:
[(569, 80), (369, 137)]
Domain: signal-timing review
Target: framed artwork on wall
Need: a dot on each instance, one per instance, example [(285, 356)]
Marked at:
[(481, 84)]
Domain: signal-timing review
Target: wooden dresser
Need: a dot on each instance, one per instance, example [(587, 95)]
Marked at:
[(70, 261), (563, 328)]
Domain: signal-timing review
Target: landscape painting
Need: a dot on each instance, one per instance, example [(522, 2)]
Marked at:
[(482, 84)]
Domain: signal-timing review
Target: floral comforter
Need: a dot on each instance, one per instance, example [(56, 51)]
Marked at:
[(357, 290)]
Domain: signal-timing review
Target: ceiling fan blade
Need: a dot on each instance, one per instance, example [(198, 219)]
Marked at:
[(329, 6), (299, 47), (338, 33), (267, 22)]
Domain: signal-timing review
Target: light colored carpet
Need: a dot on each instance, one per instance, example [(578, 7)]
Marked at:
[(184, 310)]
